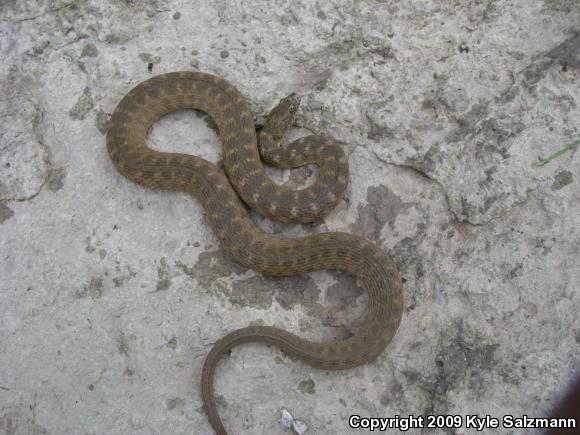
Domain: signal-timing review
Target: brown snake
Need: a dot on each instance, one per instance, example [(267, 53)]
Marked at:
[(221, 196)]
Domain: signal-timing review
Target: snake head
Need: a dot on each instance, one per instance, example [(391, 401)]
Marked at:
[(290, 103), (281, 117)]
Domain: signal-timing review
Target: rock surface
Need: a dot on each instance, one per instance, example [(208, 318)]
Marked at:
[(111, 295)]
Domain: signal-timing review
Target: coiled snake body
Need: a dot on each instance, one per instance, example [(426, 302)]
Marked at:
[(221, 196)]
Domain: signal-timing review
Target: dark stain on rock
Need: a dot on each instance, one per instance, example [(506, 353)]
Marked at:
[(344, 292), (377, 132), (257, 322), (217, 273), (461, 255), (567, 53), (171, 343), (539, 243), (211, 266), (122, 344), (8, 425), (177, 16), (561, 179), (289, 19), (118, 38), (83, 106), (296, 290), (488, 203), (175, 403), (120, 278), (563, 6), (56, 179), (149, 58), (382, 207), (94, 289), (412, 376), (462, 357), (466, 209), (194, 63), (321, 84), (255, 291), (488, 177), (250, 292), (307, 387), (466, 124), (89, 50), (340, 297), (5, 213), (495, 134), (88, 246), (406, 250), (102, 121), (38, 49), (406, 256), (533, 74), (302, 176), (435, 99), (430, 161), (163, 281), (463, 48), (221, 401), (341, 309), (385, 52), (516, 271), (393, 393), (189, 271), (529, 310)]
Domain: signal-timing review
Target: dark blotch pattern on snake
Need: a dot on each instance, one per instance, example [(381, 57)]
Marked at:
[(244, 154)]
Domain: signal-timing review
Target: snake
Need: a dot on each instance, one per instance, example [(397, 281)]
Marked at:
[(226, 195)]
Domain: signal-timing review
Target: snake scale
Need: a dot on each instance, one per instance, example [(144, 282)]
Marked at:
[(223, 196)]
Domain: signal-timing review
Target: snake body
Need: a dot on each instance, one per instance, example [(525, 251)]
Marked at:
[(223, 199)]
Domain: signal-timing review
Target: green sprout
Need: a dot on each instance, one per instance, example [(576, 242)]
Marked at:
[(551, 157)]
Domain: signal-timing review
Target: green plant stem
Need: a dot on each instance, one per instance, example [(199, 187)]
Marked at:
[(551, 157)]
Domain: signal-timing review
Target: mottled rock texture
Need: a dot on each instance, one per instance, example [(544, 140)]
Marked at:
[(111, 295)]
